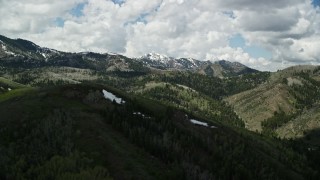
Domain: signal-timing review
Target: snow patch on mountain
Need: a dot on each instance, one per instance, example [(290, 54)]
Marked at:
[(157, 57), (112, 53), (112, 97), (5, 49), (165, 62), (84, 53), (48, 50), (44, 55), (47, 53), (193, 121)]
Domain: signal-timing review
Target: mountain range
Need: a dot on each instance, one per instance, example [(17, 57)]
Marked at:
[(89, 115), (13, 52)]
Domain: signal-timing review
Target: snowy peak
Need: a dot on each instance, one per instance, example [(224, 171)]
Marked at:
[(221, 68), (156, 57), (160, 61)]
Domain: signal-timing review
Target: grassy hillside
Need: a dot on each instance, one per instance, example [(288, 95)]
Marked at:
[(73, 132), (10, 88), (213, 87), (280, 100), (256, 105), (11, 84), (47, 76), (302, 124), (191, 101)]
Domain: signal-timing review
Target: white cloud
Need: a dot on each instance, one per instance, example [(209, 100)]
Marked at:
[(298, 44), (31, 16), (274, 20), (289, 29), (238, 55), (255, 5)]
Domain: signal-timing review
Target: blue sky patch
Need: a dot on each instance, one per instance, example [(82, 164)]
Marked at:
[(120, 2), (230, 14), (316, 2), (59, 22), (78, 10), (237, 41), (256, 52), (141, 18)]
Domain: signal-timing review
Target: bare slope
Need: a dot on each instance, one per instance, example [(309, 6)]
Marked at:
[(256, 105), (307, 121), (259, 104)]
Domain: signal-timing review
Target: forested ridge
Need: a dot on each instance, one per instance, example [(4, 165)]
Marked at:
[(72, 132)]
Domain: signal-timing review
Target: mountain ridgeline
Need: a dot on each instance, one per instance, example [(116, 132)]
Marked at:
[(106, 116), (23, 53)]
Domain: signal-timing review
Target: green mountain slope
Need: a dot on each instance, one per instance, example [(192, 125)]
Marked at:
[(191, 101), (55, 128), (286, 95), (72, 131), (309, 120), (259, 104), (10, 84), (10, 88)]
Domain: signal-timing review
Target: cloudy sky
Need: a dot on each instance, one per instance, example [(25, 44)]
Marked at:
[(263, 34)]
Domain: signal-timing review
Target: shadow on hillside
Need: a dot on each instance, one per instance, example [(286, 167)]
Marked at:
[(309, 145), (311, 138)]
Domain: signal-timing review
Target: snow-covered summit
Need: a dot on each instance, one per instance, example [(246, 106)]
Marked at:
[(163, 61), (156, 57)]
